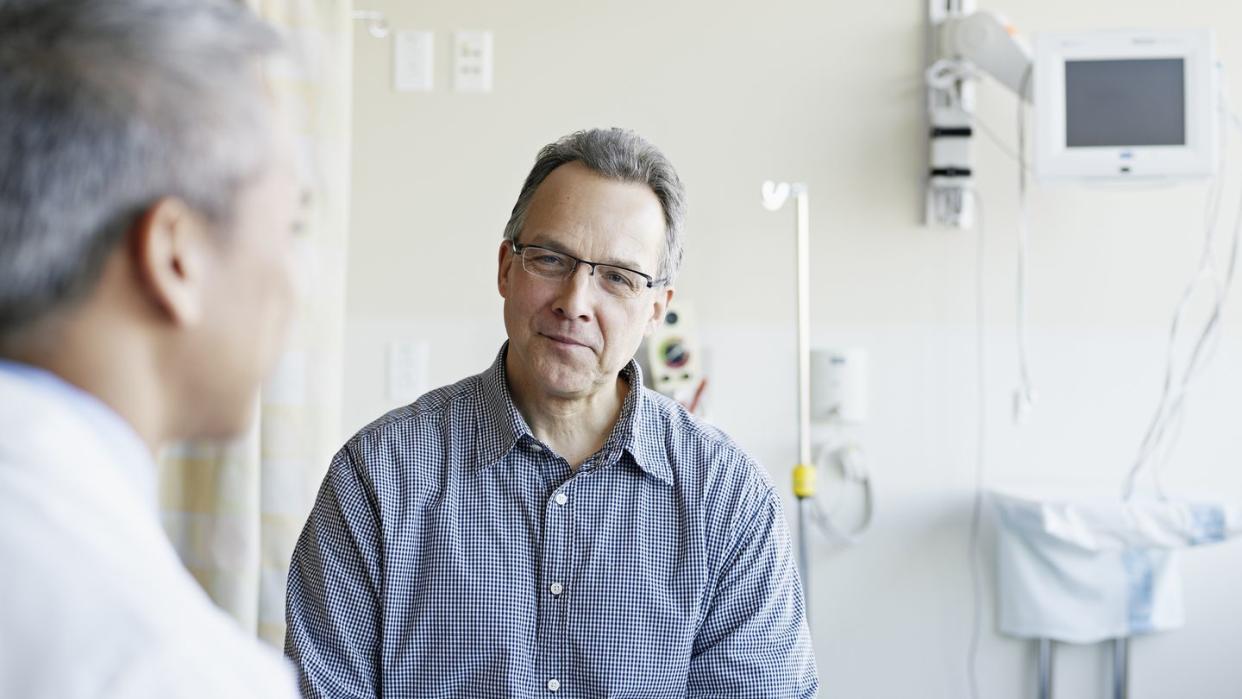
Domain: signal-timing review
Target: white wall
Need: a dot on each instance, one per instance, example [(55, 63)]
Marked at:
[(829, 94)]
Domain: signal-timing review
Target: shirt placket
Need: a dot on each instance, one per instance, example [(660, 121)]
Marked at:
[(554, 588)]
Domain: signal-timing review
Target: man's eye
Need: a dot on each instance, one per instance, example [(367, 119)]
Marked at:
[(550, 260)]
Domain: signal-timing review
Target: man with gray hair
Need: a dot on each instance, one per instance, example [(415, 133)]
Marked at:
[(550, 526), (147, 207)]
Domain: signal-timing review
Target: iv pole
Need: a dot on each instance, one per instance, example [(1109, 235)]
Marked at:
[(774, 197)]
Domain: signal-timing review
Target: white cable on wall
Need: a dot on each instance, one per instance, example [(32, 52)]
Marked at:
[(996, 140), (1025, 396), (1165, 426), (976, 509), (852, 471)]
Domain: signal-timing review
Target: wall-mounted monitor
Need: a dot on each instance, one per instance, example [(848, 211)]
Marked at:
[(1125, 104)]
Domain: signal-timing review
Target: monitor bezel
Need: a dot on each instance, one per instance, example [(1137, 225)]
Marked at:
[(1054, 160)]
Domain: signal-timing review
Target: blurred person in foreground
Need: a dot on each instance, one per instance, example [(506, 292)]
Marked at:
[(147, 210)]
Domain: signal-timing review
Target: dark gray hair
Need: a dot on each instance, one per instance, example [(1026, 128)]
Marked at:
[(618, 154), (105, 107)]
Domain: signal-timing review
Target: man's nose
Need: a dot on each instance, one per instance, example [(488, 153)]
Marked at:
[(577, 293)]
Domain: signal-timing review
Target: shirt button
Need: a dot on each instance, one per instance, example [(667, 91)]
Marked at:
[(557, 588), (535, 447), (553, 685), (561, 498)]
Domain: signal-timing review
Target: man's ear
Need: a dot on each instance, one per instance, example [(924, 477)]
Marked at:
[(659, 306), (170, 248), (504, 263)]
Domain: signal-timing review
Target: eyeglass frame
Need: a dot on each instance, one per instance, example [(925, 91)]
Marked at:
[(519, 247)]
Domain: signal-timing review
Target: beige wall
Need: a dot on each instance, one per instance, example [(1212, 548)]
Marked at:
[(828, 93)]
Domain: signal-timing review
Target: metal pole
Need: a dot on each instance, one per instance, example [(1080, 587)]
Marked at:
[(1121, 668), (1045, 668), (803, 562), (804, 377), (804, 326), (775, 195)]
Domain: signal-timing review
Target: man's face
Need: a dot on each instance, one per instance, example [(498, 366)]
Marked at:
[(570, 338), (249, 299)]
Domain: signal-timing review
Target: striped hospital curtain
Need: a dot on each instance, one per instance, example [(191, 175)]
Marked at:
[(234, 511)]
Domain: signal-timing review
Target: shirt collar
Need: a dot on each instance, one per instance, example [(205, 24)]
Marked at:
[(126, 448), (500, 423), (502, 426)]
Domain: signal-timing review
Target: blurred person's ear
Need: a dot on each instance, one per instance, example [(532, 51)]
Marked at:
[(170, 244)]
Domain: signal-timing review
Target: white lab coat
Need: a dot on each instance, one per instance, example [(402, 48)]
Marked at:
[(93, 599)]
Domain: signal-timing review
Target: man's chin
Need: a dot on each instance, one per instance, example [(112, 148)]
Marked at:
[(560, 379)]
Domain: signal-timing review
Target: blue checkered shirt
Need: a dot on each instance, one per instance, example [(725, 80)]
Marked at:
[(452, 554)]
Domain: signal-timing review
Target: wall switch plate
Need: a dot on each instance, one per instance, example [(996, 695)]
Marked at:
[(407, 370), (472, 61), (413, 61)]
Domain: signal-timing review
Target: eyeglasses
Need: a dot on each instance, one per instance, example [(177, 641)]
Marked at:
[(621, 282)]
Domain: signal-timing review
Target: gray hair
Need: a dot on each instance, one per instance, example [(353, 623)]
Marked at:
[(106, 108), (618, 154)]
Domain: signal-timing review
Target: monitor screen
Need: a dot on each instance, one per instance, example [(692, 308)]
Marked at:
[(1119, 103)]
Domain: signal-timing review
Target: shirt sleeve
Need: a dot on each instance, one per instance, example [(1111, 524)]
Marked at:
[(333, 602), (754, 640)]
